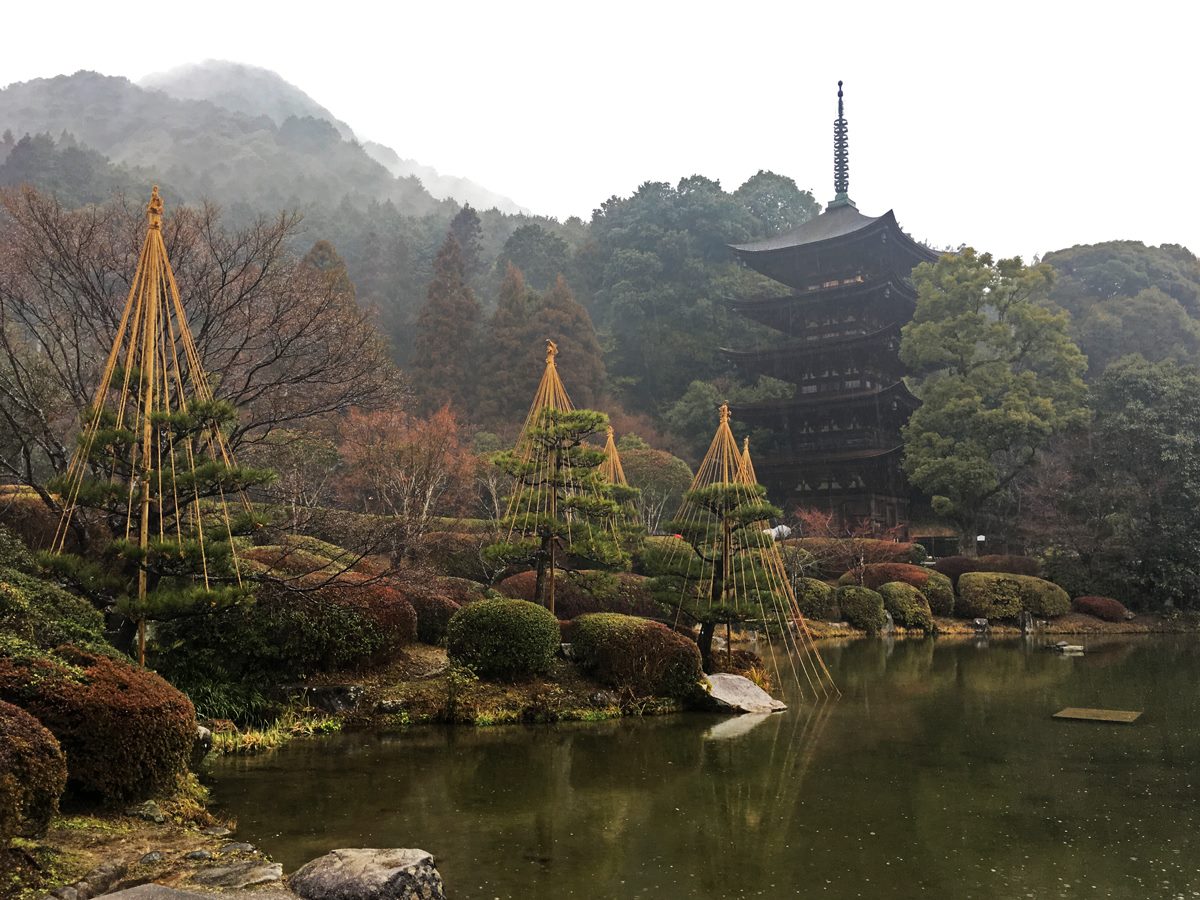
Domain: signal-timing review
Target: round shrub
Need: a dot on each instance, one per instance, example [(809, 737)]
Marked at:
[(636, 656), (908, 606), (47, 615), (996, 595), (380, 602), (815, 599), (585, 592), (936, 587), (461, 590), (861, 607), (832, 556), (433, 615), (505, 639), (33, 773), (127, 734), (1105, 608)]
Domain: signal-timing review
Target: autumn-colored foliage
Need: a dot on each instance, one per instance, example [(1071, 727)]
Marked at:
[(33, 773), (935, 586), (1105, 608), (126, 732)]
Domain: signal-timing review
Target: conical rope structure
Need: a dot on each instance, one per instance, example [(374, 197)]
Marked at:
[(553, 490), (611, 469), (155, 424), (733, 567)]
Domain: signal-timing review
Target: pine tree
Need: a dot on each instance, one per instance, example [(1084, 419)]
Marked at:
[(443, 358), (568, 324), (512, 346), (468, 231)]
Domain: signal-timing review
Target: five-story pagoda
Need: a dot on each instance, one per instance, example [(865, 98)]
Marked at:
[(835, 444)]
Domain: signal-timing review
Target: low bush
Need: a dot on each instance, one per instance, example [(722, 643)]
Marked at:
[(833, 556), (661, 555), (908, 606), (861, 607), (43, 613), (229, 661), (504, 639), (1105, 608), (13, 552), (637, 656), (955, 566), (433, 615), (381, 602), (998, 595), (935, 586), (460, 590), (126, 732), (33, 774), (815, 598), (588, 591), (459, 554)]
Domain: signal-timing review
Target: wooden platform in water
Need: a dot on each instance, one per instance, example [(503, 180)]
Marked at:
[(1124, 716)]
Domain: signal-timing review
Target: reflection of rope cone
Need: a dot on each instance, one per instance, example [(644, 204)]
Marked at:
[(756, 581), (161, 375)]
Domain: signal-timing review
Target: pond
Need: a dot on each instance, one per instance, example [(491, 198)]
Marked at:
[(938, 773)]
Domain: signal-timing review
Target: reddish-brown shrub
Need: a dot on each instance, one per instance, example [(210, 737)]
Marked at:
[(935, 586), (637, 656), (954, 566), (33, 773), (433, 614), (1105, 608), (127, 734), (460, 590), (382, 603)]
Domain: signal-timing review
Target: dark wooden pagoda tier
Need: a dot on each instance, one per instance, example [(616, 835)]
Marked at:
[(835, 443)]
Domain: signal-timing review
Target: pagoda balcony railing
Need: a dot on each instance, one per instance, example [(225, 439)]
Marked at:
[(861, 439)]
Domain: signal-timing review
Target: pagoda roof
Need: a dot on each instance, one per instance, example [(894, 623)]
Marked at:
[(837, 294), (771, 463), (898, 389), (797, 349), (835, 222)]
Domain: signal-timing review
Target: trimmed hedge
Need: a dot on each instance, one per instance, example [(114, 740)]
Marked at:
[(637, 656), (433, 615), (33, 774), (815, 598), (1105, 608), (861, 607), (380, 602), (936, 587), (588, 591), (908, 606), (127, 734), (954, 567), (46, 615), (997, 595), (458, 554), (505, 639)]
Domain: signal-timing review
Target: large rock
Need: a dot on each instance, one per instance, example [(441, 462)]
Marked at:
[(733, 693), (362, 874), (239, 874)]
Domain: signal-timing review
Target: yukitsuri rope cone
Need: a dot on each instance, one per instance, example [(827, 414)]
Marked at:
[(552, 488), (733, 564), (611, 469), (152, 385)]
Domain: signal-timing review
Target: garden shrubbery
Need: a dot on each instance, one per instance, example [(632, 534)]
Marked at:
[(459, 554), (33, 774), (954, 567), (861, 607), (38, 611), (908, 606), (997, 595), (833, 556), (433, 616), (1105, 608), (935, 586), (815, 598), (505, 639), (126, 732), (588, 591), (636, 656)]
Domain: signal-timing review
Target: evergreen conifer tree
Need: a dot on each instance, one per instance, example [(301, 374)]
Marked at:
[(446, 334)]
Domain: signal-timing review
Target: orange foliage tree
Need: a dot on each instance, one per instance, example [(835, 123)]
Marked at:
[(413, 469)]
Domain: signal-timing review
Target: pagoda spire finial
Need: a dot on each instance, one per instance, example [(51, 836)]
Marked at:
[(841, 157), (154, 209), (724, 413)]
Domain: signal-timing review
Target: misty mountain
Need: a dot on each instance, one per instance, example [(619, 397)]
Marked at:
[(254, 91), (250, 90), (442, 186), (207, 151)]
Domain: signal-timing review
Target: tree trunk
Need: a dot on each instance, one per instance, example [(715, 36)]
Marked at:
[(705, 641), (967, 545), (539, 586)]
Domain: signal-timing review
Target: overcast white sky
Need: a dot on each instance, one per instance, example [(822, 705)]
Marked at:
[(1016, 127)]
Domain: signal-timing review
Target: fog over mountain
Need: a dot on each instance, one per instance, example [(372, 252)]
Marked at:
[(256, 91)]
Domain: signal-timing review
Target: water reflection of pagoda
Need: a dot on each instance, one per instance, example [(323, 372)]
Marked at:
[(836, 442)]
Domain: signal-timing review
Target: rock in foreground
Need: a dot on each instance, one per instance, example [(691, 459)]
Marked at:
[(734, 693), (362, 874)]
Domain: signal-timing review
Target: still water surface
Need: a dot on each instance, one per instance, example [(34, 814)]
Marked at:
[(939, 773)]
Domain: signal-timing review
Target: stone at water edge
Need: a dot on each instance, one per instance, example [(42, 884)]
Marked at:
[(365, 874), (735, 693)]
